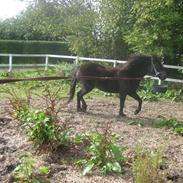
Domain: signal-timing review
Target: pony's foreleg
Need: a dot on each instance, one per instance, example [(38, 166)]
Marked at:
[(136, 97), (122, 102)]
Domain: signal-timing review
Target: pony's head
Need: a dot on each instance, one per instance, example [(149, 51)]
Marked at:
[(156, 68)]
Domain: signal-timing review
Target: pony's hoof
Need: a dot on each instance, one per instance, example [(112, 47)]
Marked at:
[(84, 109), (136, 112), (122, 115), (81, 110)]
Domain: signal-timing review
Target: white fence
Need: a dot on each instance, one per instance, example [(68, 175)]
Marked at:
[(75, 59)]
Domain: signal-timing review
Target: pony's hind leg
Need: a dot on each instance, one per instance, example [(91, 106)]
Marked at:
[(122, 101), (81, 104), (136, 97)]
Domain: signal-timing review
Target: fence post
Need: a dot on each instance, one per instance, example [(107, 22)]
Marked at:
[(46, 63), (77, 61), (10, 62), (159, 81), (115, 63)]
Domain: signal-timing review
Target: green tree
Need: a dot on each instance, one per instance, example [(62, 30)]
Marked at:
[(157, 28), (114, 23), (80, 22)]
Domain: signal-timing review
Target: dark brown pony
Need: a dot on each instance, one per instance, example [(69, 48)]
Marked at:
[(123, 79)]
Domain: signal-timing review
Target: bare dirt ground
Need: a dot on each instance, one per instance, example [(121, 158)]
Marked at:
[(101, 112)]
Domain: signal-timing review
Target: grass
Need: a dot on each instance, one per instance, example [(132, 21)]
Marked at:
[(171, 123), (174, 92), (146, 166)]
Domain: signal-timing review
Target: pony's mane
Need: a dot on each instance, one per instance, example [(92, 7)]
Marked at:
[(136, 64)]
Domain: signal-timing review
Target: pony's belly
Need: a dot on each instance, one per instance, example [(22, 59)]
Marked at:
[(108, 86)]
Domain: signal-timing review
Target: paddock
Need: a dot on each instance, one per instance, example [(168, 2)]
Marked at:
[(133, 130)]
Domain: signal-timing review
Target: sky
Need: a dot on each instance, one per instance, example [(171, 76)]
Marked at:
[(11, 8)]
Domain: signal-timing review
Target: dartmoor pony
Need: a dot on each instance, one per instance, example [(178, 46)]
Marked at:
[(123, 79)]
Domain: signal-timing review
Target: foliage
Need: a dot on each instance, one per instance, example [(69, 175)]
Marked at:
[(173, 123), (113, 23), (43, 127), (145, 91), (173, 93), (32, 47), (42, 131), (146, 166), (80, 23), (40, 128), (102, 152), (65, 69), (27, 171), (153, 31), (105, 28), (40, 21)]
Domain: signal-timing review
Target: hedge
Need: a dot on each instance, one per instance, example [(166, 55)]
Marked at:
[(32, 47)]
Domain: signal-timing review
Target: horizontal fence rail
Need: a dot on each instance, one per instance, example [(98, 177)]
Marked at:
[(76, 60)]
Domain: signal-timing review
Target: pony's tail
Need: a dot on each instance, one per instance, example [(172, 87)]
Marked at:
[(72, 89)]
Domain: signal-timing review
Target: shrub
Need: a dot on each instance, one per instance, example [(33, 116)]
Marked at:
[(146, 166), (32, 47), (102, 152), (173, 93), (43, 127)]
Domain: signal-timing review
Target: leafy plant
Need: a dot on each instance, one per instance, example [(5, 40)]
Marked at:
[(173, 93), (173, 123), (65, 69), (40, 127), (102, 152), (43, 127), (146, 166), (27, 171), (146, 92), (42, 130)]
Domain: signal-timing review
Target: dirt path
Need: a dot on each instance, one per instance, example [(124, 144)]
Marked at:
[(101, 113), (12, 143)]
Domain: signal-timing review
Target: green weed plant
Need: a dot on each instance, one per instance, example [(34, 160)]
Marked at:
[(28, 172), (146, 166), (171, 123), (103, 152)]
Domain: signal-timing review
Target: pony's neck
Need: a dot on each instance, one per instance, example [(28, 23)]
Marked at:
[(137, 68)]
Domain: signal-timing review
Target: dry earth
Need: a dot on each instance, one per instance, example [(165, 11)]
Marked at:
[(101, 112)]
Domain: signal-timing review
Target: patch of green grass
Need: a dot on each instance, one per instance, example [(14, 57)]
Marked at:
[(172, 123)]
